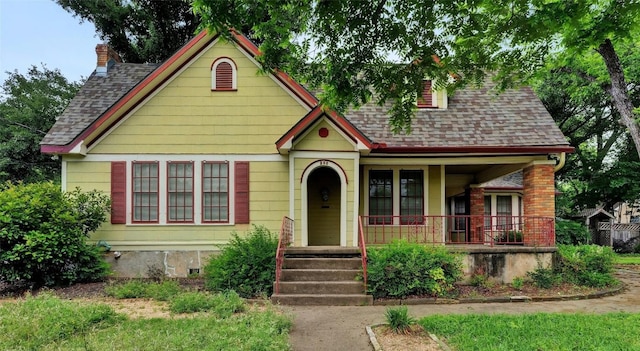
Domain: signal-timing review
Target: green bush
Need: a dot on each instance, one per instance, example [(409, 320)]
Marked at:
[(43, 234), (247, 265), (545, 278), (572, 233), (510, 237), (399, 320), (400, 269), (585, 265)]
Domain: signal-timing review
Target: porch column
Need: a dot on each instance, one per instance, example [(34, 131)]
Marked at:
[(476, 210), (539, 205)]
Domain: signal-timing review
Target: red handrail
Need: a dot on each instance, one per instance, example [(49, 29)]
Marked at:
[(459, 229), (363, 249), (285, 238)]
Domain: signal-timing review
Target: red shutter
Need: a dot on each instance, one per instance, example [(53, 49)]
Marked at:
[(224, 76), (242, 192), (426, 100), (119, 192)]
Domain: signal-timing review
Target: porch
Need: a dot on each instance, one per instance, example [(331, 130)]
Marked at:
[(459, 230)]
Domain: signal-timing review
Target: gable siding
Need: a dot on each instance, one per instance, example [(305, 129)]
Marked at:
[(333, 142), (187, 117)]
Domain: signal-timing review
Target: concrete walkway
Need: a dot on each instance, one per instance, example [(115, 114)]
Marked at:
[(343, 328)]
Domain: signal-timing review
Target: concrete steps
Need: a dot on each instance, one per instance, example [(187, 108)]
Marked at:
[(321, 276)]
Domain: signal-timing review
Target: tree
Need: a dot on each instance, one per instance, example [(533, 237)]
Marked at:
[(140, 31), (29, 105), (604, 168), (345, 46)]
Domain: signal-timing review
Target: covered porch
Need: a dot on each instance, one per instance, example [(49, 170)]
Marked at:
[(459, 230)]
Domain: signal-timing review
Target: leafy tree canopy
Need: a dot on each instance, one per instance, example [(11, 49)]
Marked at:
[(29, 105), (346, 46), (604, 168), (140, 31)]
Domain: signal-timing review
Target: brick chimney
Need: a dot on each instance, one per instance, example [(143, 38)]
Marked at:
[(106, 58)]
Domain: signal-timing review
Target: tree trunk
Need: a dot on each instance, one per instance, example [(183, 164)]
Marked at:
[(618, 91)]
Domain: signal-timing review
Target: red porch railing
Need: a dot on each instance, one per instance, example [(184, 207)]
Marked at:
[(286, 237), (363, 252), (460, 229)]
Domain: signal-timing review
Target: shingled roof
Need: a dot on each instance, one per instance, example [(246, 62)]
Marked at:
[(475, 117), (94, 98)]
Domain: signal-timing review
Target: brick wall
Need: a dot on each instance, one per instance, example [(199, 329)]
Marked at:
[(539, 201), (476, 210)]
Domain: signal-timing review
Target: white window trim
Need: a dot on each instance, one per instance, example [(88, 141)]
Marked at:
[(197, 196), (396, 189), (234, 73)]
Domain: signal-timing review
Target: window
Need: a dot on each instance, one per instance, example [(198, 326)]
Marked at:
[(380, 197), (411, 197), (215, 192), (426, 98), (487, 212), (504, 211), (180, 191), (460, 209), (223, 75), (145, 192)]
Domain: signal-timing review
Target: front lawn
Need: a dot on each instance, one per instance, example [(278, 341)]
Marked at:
[(49, 323), (627, 259), (615, 331)]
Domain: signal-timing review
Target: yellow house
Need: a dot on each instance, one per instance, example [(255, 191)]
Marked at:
[(202, 145)]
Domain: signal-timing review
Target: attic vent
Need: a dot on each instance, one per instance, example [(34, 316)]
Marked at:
[(224, 75), (426, 98)]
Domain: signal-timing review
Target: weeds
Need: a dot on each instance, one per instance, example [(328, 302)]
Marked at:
[(399, 320)]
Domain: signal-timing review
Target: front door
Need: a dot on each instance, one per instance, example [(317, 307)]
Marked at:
[(323, 206)]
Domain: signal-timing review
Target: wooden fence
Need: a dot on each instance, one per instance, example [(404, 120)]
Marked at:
[(609, 232)]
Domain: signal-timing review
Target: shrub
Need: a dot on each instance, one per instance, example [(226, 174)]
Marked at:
[(585, 265), (399, 320), (545, 278), (572, 233), (246, 265), (43, 234), (588, 265), (517, 283), (401, 269)]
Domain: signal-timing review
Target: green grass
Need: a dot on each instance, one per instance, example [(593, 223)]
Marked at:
[(627, 259), (48, 323), (585, 332), (135, 289)]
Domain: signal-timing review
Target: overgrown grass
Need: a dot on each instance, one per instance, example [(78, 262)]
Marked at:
[(537, 331), (136, 289), (48, 323), (627, 259), (222, 305)]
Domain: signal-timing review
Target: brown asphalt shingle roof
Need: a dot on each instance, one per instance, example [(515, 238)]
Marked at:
[(95, 98), (475, 117)]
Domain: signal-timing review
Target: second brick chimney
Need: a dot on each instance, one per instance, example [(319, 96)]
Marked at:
[(106, 58)]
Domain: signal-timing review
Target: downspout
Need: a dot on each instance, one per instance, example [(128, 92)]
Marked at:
[(561, 162)]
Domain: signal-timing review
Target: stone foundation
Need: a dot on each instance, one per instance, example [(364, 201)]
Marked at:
[(503, 264), (146, 264)]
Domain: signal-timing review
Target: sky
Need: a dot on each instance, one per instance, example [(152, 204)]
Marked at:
[(35, 32)]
